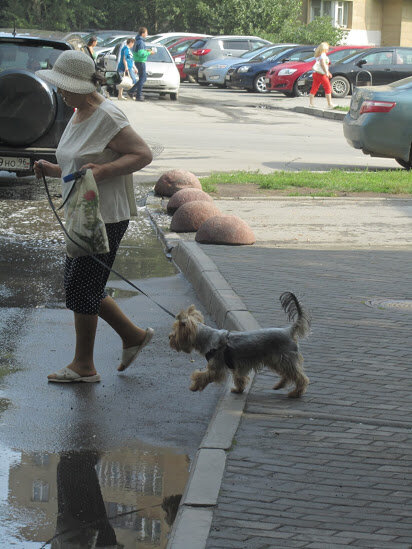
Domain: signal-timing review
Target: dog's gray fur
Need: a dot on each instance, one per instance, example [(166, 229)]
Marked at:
[(240, 352)]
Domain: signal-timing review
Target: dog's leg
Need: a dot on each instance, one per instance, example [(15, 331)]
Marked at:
[(240, 383), (299, 378), (280, 384), (213, 373)]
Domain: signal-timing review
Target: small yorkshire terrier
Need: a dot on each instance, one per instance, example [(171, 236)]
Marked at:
[(240, 352)]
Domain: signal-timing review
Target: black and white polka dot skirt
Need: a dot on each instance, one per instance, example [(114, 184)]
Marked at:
[(85, 279)]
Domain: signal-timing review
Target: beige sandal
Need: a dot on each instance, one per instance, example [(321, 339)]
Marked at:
[(129, 355), (66, 375)]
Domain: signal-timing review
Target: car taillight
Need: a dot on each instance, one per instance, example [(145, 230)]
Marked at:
[(201, 52), (376, 106)]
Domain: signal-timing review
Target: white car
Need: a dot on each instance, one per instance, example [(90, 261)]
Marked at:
[(162, 74), (168, 38)]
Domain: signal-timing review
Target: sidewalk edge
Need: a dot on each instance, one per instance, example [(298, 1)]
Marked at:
[(193, 521)]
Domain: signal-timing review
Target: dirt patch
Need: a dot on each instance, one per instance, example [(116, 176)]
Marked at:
[(253, 191)]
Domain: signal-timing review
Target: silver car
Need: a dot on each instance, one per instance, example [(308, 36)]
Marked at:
[(217, 47), (380, 121), (214, 72)]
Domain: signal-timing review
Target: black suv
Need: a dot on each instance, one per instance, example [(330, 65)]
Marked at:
[(33, 116)]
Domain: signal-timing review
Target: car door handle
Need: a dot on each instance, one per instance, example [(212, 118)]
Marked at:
[(388, 70)]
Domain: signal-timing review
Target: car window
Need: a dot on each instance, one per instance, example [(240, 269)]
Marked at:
[(161, 55), (198, 44), (257, 43), (336, 56), (180, 48), (403, 56), (27, 57), (300, 55), (378, 58), (235, 44), (269, 53)]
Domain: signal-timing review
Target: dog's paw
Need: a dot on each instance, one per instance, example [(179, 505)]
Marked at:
[(236, 391), (194, 387)]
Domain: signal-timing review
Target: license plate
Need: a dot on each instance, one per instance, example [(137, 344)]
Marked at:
[(14, 163), (267, 80), (214, 77), (227, 77), (302, 83)]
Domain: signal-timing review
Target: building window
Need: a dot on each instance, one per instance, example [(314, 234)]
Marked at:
[(40, 491), (337, 11)]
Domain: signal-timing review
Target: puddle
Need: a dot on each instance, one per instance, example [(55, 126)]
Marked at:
[(127, 497), (32, 251)]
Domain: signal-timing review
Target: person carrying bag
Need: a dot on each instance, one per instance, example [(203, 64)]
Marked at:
[(99, 139), (126, 69)]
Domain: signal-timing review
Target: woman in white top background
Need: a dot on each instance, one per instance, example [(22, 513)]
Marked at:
[(321, 75), (99, 137)]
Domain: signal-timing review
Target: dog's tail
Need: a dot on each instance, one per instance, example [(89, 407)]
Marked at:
[(292, 307)]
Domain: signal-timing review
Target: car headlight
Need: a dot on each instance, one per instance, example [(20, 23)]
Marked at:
[(245, 68), (178, 60), (286, 72)]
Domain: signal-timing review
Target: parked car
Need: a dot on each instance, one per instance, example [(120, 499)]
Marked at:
[(379, 121), (252, 76), (214, 72), (168, 38), (178, 52), (284, 77), (162, 74), (103, 35), (377, 66), (108, 44), (33, 115), (217, 47)]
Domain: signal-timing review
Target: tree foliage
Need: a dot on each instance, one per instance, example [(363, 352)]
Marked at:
[(277, 20)]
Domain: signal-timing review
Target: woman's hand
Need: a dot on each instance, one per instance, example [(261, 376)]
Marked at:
[(99, 171), (329, 75), (48, 168)]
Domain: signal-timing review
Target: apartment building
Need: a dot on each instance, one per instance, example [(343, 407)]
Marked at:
[(369, 22)]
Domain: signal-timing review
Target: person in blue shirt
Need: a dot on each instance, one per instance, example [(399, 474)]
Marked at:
[(140, 55), (126, 65)]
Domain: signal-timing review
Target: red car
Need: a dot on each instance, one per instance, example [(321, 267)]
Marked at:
[(284, 77), (178, 52)]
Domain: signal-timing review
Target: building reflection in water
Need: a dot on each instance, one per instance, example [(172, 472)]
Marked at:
[(126, 497)]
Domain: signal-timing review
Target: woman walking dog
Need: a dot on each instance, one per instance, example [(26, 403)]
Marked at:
[(321, 75), (98, 137)]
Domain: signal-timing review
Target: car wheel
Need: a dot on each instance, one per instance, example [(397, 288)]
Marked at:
[(340, 86), (300, 91), (404, 163), (173, 96), (27, 108), (220, 86), (259, 83)]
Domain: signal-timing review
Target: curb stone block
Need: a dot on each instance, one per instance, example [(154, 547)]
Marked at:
[(193, 534), (205, 482)]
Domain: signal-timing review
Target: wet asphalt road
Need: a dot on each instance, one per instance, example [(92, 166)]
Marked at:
[(141, 427)]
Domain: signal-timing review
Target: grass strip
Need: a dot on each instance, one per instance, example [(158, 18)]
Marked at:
[(317, 183)]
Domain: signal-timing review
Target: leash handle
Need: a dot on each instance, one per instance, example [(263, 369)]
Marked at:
[(49, 198)]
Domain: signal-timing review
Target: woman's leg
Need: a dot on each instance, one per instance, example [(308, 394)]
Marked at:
[(83, 363), (130, 334)]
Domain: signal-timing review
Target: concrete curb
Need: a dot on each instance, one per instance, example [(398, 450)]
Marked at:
[(194, 518), (321, 113)]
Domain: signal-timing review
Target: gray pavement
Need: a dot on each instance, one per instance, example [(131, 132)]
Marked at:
[(332, 469)]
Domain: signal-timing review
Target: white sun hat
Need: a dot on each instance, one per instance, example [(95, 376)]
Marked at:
[(73, 71)]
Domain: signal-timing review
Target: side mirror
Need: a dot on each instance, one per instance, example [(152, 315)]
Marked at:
[(361, 62), (285, 59)]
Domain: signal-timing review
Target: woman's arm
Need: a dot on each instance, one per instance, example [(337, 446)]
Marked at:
[(49, 169), (324, 62), (135, 155)]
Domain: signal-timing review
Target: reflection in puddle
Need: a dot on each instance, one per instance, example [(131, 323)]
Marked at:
[(126, 497)]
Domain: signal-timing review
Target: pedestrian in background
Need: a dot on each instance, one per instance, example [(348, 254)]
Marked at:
[(126, 65), (321, 75), (98, 137), (91, 44), (140, 55)]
